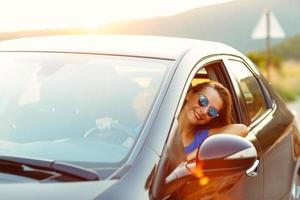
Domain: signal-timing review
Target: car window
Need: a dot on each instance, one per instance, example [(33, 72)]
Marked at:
[(175, 154), (250, 88), (75, 107)]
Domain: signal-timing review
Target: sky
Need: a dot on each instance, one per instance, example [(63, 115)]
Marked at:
[(16, 15)]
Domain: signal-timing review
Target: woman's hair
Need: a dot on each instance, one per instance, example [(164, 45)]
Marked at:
[(224, 117)]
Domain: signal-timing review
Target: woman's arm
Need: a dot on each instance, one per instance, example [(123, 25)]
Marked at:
[(235, 129)]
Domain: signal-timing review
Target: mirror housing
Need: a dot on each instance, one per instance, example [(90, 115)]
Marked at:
[(225, 153), (221, 154)]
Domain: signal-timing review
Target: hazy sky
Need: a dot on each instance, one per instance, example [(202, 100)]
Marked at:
[(38, 14)]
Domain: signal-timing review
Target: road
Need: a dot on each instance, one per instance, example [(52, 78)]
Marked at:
[(296, 107)]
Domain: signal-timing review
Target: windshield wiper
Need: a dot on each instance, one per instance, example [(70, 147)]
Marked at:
[(49, 165)]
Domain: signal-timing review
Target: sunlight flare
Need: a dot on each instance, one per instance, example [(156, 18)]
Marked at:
[(35, 14)]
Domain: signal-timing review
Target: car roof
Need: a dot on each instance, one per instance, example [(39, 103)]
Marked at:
[(130, 45)]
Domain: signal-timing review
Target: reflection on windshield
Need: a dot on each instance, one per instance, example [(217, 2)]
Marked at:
[(74, 107)]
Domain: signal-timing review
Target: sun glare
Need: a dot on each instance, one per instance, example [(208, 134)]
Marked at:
[(35, 14)]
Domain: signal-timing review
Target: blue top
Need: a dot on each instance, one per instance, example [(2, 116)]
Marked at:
[(199, 137)]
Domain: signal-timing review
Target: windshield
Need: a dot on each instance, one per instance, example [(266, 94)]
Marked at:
[(75, 107)]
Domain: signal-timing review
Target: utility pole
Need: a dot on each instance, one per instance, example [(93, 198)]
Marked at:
[(267, 28)]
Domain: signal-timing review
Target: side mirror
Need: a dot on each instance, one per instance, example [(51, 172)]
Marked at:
[(221, 154), (225, 153)]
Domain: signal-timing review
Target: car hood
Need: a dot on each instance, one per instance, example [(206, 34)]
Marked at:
[(45, 191)]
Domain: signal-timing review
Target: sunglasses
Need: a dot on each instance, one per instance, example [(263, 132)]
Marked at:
[(203, 102)]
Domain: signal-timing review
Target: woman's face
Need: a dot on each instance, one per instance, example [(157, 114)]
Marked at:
[(200, 113)]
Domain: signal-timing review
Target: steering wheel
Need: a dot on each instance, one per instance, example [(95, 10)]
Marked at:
[(115, 133)]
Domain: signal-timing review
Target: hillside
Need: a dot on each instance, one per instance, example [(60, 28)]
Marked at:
[(230, 23), (289, 48)]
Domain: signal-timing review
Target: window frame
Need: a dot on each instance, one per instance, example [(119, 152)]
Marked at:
[(266, 96), (220, 74)]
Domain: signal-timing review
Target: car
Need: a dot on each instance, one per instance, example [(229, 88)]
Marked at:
[(94, 117)]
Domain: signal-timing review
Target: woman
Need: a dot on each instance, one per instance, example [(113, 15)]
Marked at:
[(207, 111)]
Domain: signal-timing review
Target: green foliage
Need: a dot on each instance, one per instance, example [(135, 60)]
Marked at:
[(286, 93), (287, 81), (289, 48), (259, 59), (286, 76)]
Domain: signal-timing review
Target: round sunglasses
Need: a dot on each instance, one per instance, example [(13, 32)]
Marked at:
[(203, 102)]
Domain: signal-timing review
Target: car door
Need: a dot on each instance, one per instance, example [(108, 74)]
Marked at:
[(270, 123), (232, 186), (249, 186)]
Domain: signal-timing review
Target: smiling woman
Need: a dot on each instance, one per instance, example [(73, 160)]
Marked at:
[(206, 112), (203, 104)]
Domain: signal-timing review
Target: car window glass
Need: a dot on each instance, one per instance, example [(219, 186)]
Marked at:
[(250, 88), (75, 107)]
